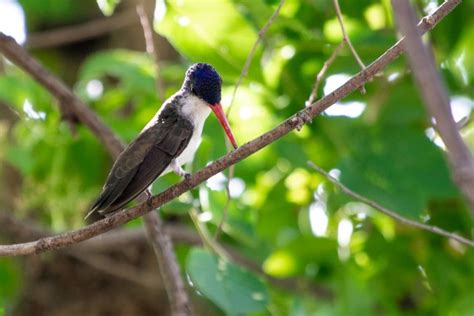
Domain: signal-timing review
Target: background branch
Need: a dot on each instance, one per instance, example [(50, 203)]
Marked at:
[(61, 240), (161, 242), (390, 213), (118, 269), (75, 33), (436, 98), (169, 268), (150, 45)]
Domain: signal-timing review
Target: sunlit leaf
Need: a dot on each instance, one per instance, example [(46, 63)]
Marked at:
[(194, 29), (229, 286), (107, 6), (134, 69), (400, 169)]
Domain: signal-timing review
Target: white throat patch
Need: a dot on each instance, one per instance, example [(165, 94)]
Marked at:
[(195, 110)]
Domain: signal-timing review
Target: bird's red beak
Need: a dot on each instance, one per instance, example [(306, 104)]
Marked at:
[(217, 109)]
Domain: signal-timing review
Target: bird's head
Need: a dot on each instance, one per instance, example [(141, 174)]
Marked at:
[(204, 82)]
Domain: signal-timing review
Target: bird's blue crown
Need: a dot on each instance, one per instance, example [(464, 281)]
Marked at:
[(205, 82)]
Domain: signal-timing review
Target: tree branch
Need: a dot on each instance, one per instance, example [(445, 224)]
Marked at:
[(169, 268), (61, 240), (117, 239), (436, 98), (75, 33), (390, 213), (24, 229)]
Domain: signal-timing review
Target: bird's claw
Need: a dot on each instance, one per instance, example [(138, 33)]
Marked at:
[(149, 202), (301, 119), (187, 176), (149, 198)]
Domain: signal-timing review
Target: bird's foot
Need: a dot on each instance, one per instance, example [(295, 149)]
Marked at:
[(301, 119), (179, 171), (149, 197)]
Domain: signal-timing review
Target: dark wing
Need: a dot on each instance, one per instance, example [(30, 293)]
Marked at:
[(157, 160), (144, 160)]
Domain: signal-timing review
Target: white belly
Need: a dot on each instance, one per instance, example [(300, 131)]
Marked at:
[(196, 111), (188, 153)]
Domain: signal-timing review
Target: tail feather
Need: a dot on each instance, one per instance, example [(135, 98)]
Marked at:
[(111, 192), (93, 216), (102, 203)]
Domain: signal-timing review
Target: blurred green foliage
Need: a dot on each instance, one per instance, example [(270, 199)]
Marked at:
[(9, 281), (283, 215)]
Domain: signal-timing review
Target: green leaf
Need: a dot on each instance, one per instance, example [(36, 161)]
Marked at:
[(399, 168), (300, 252), (55, 12), (232, 288), (462, 60), (176, 207), (355, 296), (195, 31), (107, 6), (16, 88), (133, 69), (21, 158)]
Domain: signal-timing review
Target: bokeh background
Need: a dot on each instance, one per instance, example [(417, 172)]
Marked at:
[(302, 247)]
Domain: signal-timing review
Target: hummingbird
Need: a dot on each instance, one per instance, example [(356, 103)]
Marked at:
[(168, 141)]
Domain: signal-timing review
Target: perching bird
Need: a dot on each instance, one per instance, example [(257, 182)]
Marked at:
[(167, 142)]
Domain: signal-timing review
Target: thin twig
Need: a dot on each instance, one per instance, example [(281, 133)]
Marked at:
[(436, 98), (205, 237), (346, 36), (161, 242), (390, 213), (225, 211), (319, 78), (7, 44), (150, 45), (248, 60), (243, 73), (80, 32)]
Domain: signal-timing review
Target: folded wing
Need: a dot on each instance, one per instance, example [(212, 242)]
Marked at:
[(143, 161)]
